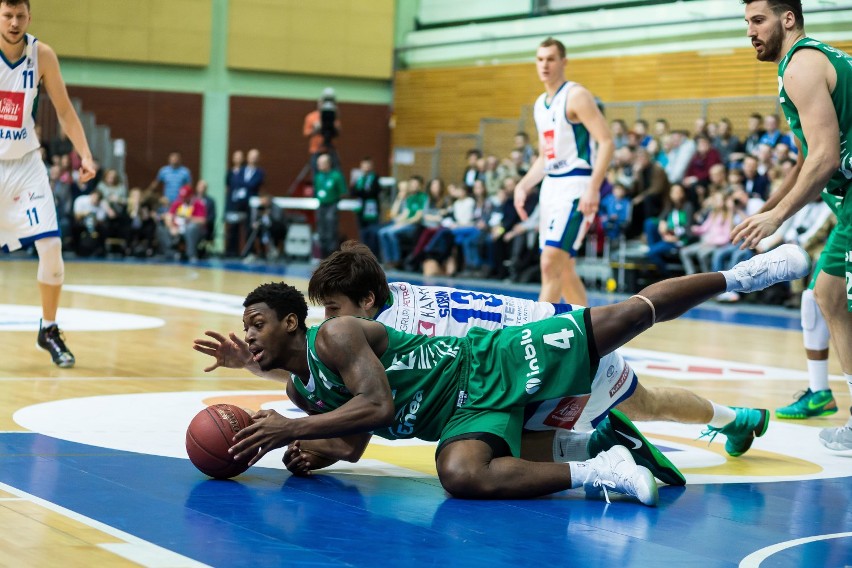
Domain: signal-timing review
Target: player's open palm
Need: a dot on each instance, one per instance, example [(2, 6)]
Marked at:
[(230, 352), (754, 229)]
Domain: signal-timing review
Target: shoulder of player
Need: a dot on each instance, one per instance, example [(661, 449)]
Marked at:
[(578, 95), (45, 51), (336, 335), (804, 71)]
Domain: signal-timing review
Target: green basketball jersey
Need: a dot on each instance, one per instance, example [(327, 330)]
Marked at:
[(842, 99), (423, 373)]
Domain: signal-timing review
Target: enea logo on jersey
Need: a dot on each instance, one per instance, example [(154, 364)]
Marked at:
[(11, 109)]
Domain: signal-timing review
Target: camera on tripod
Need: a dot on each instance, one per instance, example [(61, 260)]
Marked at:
[(328, 116)]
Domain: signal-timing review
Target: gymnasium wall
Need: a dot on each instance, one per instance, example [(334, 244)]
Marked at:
[(432, 101)]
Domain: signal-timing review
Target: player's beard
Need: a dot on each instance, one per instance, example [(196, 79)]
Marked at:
[(10, 42), (772, 45)]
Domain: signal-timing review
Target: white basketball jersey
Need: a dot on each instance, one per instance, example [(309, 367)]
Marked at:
[(567, 147), (18, 95), (439, 311)]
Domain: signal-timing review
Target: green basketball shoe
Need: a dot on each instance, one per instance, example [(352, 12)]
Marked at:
[(808, 405), (617, 430), (749, 424)]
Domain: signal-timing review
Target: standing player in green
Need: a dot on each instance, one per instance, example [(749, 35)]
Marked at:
[(357, 377), (815, 91)]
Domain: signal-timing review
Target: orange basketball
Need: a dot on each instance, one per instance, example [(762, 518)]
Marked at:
[(211, 434)]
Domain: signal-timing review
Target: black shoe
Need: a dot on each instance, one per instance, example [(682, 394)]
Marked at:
[(50, 339)]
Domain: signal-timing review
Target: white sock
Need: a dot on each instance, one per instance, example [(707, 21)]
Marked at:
[(569, 446), (722, 415), (579, 473), (47, 323), (818, 374)]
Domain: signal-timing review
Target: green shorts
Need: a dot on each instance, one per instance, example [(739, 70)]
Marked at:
[(516, 366), (836, 258)]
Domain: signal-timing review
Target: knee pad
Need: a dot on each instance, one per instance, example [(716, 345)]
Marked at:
[(51, 268), (814, 328)]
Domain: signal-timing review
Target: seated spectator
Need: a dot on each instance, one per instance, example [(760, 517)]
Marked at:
[(141, 226), (615, 212), (752, 138), (781, 152), (406, 216), (661, 129), (771, 135), (185, 222), (522, 145), (269, 229), (650, 187), (64, 204), (510, 243), (714, 232), (640, 128), (679, 153), (514, 165), (437, 208), (764, 159), (365, 187), (472, 172), (210, 206), (522, 238), (698, 171), (439, 252), (470, 238), (622, 168), (754, 182), (493, 175), (726, 142), (672, 231), (113, 189), (91, 214), (619, 133)]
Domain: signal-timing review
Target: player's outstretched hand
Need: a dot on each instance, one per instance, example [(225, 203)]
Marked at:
[(752, 230), (269, 431), (87, 169), (230, 352)]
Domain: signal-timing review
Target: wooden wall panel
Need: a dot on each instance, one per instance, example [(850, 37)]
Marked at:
[(430, 101), (152, 123), (274, 126)]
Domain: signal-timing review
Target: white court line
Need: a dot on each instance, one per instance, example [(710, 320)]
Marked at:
[(754, 559), (134, 548)]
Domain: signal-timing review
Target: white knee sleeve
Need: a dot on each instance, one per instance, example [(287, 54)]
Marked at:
[(51, 268), (814, 328)]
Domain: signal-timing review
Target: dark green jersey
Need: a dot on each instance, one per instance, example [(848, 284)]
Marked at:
[(423, 373), (842, 99)]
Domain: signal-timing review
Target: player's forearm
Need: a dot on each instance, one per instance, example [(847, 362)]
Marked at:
[(812, 179), (359, 415), (534, 175), (606, 148), (349, 448)]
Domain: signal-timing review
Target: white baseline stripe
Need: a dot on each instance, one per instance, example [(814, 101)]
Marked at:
[(754, 559), (135, 549)]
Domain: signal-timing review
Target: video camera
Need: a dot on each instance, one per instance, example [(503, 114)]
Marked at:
[(328, 116)]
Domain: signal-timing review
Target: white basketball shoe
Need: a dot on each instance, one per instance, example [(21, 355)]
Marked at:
[(787, 262), (615, 470)]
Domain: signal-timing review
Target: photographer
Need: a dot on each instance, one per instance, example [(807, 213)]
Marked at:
[(321, 127)]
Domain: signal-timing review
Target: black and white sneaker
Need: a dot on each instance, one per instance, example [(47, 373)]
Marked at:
[(51, 340)]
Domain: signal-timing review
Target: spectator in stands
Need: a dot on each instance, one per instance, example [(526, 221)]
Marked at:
[(91, 213), (615, 213), (469, 238), (781, 152), (269, 228), (752, 139), (661, 129), (640, 127), (726, 142), (672, 231), (406, 216), (437, 208), (522, 145), (185, 223), (511, 248), (202, 195), (698, 171), (114, 190), (142, 228), (622, 168), (679, 154), (329, 189), (713, 232), (754, 182), (649, 189), (493, 175), (771, 135), (440, 252), (173, 176), (619, 133), (60, 145), (699, 128), (64, 204), (320, 135), (472, 171), (764, 159), (366, 188), (514, 165), (236, 205)]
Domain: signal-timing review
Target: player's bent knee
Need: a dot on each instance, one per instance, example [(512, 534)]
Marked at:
[(463, 466), (51, 268)]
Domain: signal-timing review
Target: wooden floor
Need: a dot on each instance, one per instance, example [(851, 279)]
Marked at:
[(93, 472)]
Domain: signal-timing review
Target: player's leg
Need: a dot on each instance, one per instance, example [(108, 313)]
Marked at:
[(616, 324), (482, 467), (562, 230)]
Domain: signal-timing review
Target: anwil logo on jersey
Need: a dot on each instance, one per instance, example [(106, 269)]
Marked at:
[(11, 109)]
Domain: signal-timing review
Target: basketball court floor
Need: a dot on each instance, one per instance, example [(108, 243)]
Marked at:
[(93, 470)]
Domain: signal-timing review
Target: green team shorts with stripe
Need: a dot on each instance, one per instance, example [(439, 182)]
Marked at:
[(836, 258), (517, 366), (561, 225)]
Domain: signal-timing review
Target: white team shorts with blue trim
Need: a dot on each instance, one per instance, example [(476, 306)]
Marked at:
[(613, 383), (561, 223), (27, 209)]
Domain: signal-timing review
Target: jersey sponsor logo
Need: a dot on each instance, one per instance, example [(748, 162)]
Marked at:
[(405, 317), (36, 196), (426, 307), (408, 414), (549, 144), (530, 355), (533, 385), (11, 109), (621, 380), (426, 328), (567, 412), (443, 301), (405, 296), (6, 134), (461, 399)]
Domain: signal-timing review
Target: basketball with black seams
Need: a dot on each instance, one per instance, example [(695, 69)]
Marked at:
[(209, 437)]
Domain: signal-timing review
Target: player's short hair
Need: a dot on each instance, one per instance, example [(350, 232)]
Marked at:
[(14, 3), (551, 41), (353, 271), (778, 7), (282, 298)]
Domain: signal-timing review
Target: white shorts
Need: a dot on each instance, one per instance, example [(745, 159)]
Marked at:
[(561, 225), (614, 382), (27, 209)]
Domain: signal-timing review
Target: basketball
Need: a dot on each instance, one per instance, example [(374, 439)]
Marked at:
[(211, 434)]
